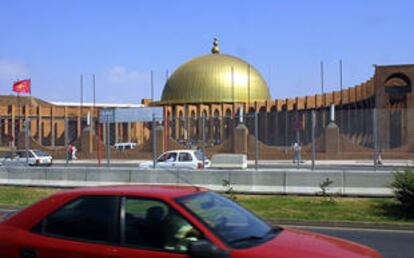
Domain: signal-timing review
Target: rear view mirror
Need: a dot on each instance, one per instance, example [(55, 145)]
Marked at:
[(205, 249)]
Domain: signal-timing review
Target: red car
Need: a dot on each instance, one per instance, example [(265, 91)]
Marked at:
[(156, 221)]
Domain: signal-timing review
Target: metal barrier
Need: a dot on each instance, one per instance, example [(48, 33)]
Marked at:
[(345, 183)]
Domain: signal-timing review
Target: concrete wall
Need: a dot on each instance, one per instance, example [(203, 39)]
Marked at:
[(249, 181)]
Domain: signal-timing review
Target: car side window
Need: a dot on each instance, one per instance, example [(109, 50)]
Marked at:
[(163, 157), (9, 155), (185, 157), (172, 156), (89, 218), (154, 225), (24, 154)]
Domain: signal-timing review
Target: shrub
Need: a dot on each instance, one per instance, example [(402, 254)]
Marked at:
[(324, 186), (403, 188), (229, 190)]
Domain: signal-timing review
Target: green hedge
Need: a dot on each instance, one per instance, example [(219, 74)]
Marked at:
[(403, 188)]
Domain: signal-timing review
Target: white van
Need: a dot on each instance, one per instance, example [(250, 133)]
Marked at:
[(125, 146)]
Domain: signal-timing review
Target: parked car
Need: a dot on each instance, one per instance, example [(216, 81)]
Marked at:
[(156, 221), (125, 146), (183, 159), (29, 157)]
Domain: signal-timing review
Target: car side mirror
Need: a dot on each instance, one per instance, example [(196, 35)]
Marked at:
[(205, 249)]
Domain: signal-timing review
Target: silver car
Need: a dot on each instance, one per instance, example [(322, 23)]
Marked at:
[(179, 159), (29, 157)]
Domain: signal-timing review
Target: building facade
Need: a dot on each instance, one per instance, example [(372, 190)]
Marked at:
[(213, 94)]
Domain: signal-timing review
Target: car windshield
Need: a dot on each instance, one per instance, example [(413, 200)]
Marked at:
[(167, 157), (40, 153), (233, 224)]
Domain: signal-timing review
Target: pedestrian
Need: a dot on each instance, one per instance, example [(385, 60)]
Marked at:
[(74, 150), (11, 142), (69, 151), (379, 158), (296, 152)]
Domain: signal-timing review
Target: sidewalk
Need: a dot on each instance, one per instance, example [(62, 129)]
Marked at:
[(368, 163)]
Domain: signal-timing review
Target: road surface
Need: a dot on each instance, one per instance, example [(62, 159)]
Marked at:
[(390, 243)]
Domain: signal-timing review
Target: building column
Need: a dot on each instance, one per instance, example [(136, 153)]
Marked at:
[(265, 129), (221, 126), (116, 133), (210, 134), (104, 132), (66, 126), (39, 125), (92, 120), (138, 136), (177, 124), (129, 130), (52, 125), (1, 129), (199, 124), (186, 123), (6, 129), (26, 113), (13, 125), (121, 132)]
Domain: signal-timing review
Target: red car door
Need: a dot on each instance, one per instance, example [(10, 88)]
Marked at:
[(87, 226), (37, 246), (136, 252), (153, 229)]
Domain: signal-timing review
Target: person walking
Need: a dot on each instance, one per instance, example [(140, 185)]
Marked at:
[(296, 152), (69, 151), (379, 158), (74, 150)]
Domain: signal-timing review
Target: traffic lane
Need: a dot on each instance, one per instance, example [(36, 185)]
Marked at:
[(4, 213), (390, 243)]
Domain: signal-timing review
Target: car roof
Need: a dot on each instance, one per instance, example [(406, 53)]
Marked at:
[(190, 150), (156, 191)]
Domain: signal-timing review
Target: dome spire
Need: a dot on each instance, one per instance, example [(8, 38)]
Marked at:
[(215, 49)]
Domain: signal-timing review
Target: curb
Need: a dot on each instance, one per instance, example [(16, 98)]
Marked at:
[(342, 224)]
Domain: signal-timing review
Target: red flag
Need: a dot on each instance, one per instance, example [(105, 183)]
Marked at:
[(22, 86)]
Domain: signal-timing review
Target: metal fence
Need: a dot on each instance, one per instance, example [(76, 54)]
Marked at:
[(318, 134)]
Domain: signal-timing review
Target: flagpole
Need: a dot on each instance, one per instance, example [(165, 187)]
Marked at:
[(30, 112), (18, 113)]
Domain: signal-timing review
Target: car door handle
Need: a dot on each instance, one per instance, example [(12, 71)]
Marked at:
[(28, 252)]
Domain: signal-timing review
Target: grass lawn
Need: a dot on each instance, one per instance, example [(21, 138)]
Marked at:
[(279, 207), (311, 208), (18, 196)]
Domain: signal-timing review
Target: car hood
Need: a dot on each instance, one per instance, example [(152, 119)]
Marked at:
[(145, 164), (295, 243)]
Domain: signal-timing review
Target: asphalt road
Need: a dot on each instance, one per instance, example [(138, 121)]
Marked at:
[(390, 243)]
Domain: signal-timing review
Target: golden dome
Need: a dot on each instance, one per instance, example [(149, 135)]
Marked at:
[(209, 79)]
